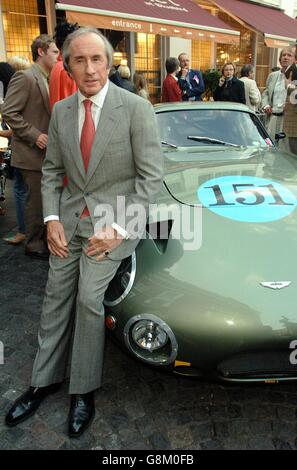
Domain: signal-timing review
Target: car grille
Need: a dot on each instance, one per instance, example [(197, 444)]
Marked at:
[(253, 365)]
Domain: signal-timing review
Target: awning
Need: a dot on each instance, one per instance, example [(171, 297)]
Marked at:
[(181, 18), (279, 29)]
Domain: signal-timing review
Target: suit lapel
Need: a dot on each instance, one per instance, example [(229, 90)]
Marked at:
[(42, 87), (107, 123), (71, 131)]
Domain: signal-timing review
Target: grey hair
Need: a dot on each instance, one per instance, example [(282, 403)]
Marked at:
[(246, 69), (82, 32)]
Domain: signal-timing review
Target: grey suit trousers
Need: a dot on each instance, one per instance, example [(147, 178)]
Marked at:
[(81, 279)]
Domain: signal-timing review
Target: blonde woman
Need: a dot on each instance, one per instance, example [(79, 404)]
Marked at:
[(19, 63), (140, 84), (125, 75)]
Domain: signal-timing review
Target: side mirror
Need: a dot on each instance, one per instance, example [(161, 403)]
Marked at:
[(280, 136)]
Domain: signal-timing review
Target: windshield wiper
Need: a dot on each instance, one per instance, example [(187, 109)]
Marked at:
[(210, 140), (168, 144)]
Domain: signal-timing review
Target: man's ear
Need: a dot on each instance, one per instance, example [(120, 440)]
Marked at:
[(40, 52)]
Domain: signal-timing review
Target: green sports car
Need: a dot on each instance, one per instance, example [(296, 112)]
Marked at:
[(212, 289)]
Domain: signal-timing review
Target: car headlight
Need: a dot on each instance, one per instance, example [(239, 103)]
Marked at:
[(150, 339), (149, 335)]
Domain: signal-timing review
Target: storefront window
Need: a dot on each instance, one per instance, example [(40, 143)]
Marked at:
[(120, 55), (23, 20), (201, 55), (238, 54), (147, 62)]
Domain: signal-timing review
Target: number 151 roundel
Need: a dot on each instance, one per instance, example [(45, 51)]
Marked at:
[(247, 198)]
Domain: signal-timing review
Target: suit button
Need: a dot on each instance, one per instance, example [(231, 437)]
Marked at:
[(77, 214), (87, 194)]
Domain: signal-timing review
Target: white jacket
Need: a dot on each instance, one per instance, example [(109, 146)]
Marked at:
[(252, 93)]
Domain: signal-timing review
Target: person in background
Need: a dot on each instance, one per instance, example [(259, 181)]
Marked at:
[(61, 84), (275, 94), (252, 92), (115, 77), (140, 84), (19, 188), (190, 81), (19, 63), (290, 114), (26, 109), (230, 88), (6, 72), (125, 75), (171, 91)]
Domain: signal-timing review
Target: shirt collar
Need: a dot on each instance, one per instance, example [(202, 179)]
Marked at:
[(98, 99), (43, 72)]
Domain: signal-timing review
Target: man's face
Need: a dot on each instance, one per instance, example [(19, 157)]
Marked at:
[(287, 58), (252, 74), (184, 61), (49, 58), (88, 63)]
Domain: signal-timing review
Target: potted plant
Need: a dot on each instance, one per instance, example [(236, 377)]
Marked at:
[(211, 79)]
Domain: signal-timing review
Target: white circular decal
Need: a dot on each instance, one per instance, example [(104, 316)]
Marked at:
[(247, 198)]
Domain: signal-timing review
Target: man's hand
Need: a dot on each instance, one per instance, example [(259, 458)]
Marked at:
[(41, 142), (56, 240), (222, 81), (267, 110), (184, 72), (107, 239)]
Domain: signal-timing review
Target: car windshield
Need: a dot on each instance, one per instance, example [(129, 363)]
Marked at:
[(211, 127)]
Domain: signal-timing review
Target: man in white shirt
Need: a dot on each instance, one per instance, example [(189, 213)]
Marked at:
[(105, 140), (252, 92), (275, 94)]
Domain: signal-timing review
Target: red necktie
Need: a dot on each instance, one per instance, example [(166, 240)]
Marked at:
[(86, 141)]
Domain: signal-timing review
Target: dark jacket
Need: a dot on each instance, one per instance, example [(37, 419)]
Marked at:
[(128, 85), (233, 90), (195, 88)]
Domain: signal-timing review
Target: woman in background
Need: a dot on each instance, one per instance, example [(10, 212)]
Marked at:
[(171, 91), (141, 85), (125, 75), (229, 87)]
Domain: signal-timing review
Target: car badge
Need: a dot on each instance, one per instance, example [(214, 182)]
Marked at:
[(275, 284)]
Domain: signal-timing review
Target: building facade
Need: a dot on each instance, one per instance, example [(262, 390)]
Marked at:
[(145, 32)]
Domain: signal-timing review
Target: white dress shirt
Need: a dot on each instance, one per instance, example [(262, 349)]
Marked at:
[(98, 101), (280, 94)]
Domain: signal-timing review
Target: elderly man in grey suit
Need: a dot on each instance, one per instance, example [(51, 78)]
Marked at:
[(27, 111), (106, 141), (275, 94)]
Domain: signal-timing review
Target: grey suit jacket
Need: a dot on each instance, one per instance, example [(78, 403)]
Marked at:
[(27, 111), (126, 160)]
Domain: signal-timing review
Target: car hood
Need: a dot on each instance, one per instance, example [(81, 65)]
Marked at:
[(224, 274), (186, 169)]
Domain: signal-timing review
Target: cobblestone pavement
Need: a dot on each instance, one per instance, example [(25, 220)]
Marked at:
[(136, 408)]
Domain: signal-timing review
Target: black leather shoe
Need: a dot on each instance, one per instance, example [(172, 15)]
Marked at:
[(37, 254), (82, 411), (26, 405)]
